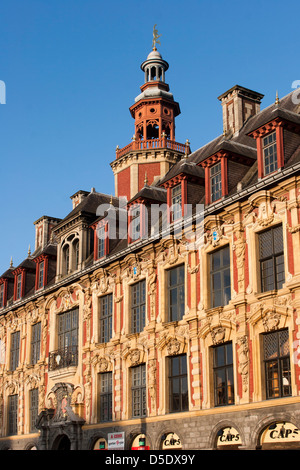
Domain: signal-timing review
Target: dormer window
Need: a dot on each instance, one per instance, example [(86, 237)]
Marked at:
[(1, 295), (176, 202), (216, 182), (101, 241), (134, 222), (18, 293), (41, 274), (269, 150)]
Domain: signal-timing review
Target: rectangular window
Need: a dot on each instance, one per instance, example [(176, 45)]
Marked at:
[(176, 297), (176, 200), (220, 277), (14, 350), (105, 396), (271, 259), (106, 310), (13, 414), (178, 384), (35, 343), (1, 295), (138, 306), (138, 391), (135, 222), (215, 182), (41, 274), (223, 374), (100, 233), (19, 286), (277, 364), (33, 408), (270, 153)]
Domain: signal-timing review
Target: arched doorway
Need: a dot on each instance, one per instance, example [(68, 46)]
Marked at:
[(62, 442)]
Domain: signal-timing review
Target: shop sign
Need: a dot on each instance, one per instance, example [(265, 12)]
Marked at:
[(171, 441), (140, 443), (229, 436), (116, 441), (280, 432)]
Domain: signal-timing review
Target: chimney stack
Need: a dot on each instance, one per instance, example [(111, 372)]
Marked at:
[(238, 105)]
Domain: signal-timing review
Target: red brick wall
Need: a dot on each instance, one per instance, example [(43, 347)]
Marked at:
[(124, 183), (152, 170)]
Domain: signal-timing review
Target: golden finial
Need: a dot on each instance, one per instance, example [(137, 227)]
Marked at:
[(277, 99), (155, 38), (146, 179), (11, 262), (111, 201)]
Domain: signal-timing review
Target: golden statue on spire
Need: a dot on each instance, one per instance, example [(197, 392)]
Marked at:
[(155, 37)]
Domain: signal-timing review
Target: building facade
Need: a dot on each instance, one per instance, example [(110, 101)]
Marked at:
[(166, 316)]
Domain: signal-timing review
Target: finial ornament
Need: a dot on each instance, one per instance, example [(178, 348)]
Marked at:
[(277, 99), (29, 251), (155, 38), (146, 179), (11, 262)]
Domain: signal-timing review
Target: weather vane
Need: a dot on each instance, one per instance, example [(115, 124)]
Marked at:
[(155, 38)]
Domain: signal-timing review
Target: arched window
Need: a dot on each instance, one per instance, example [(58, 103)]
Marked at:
[(66, 259), (76, 253)]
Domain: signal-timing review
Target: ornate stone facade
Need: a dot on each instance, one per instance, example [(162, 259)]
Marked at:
[(69, 311)]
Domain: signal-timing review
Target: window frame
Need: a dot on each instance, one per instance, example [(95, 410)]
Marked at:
[(182, 378), (106, 319), (35, 345), (2, 295), (222, 271), (33, 408), (105, 396), (14, 350), (276, 285), (138, 391), (19, 282), (64, 331), (266, 147), (215, 180), (279, 360), (138, 308), (12, 414), (172, 287), (228, 368), (176, 202)]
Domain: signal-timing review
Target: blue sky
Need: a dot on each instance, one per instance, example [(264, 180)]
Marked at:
[(72, 70)]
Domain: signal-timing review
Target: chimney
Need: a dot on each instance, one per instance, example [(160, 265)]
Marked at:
[(238, 105), (78, 197), (43, 227)]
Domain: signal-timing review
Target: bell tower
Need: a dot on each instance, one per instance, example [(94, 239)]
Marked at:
[(153, 149)]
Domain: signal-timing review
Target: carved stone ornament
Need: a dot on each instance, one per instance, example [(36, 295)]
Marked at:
[(271, 320), (135, 357), (103, 364), (218, 335), (173, 347), (243, 357)]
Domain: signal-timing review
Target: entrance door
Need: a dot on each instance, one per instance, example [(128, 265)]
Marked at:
[(62, 443)]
